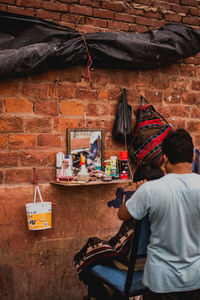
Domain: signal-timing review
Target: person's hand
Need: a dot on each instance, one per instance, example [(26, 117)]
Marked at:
[(139, 183)]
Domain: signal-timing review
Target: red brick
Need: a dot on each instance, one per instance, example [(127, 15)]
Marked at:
[(118, 25), (195, 11), (90, 3), (9, 159), (11, 124), (3, 7), (195, 85), (192, 60), (72, 108), (8, 1), (124, 17), (80, 9), (29, 3), (46, 107), (18, 176), (144, 2), (17, 105), (180, 111), (96, 22), (122, 78), (88, 29), (153, 97), (9, 88), (191, 21), (193, 126), (113, 5), (138, 28), (173, 17), (144, 21), (190, 98), (172, 98), (103, 13), (60, 124), (187, 70), (43, 14), (36, 158), (180, 9), (85, 94), (55, 6), (1, 177), (65, 91), (195, 112), (160, 83), (37, 125), (35, 90), (97, 110), (46, 174), (164, 5), (49, 140), (21, 11), (3, 141), (152, 14), (23, 141), (189, 2)]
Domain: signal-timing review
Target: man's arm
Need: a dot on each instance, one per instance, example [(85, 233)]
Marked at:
[(123, 213)]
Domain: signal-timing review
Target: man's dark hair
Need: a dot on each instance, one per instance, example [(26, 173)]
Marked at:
[(178, 146), (148, 172)]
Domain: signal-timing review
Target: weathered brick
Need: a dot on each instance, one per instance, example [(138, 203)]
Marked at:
[(37, 125), (191, 21), (18, 176), (195, 112), (193, 126), (29, 3), (144, 21), (80, 9), (113, 5), (96, 22), (72, 108), (190, 98), (65, 91), (47, 14), (36, 158), (21, 11), (180, 9), (118, 25), (46, 174), (17, 105), (189, 2), (173, 17), (172, 98), (1, 177), (60, 124), (9, 88), (183, 111), (9, 159), (46, 107), (124, 17), (103, 13), (11, 124), (85, 94), (3, 141), (55, 6), (35, 90), (161, 5), (187, 70), (195, 86), (195, 11), (97, 110), (49, 140), (154, 97), (22, 141), (8, 1)]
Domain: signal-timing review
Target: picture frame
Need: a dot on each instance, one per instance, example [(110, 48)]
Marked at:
[(88, 142)]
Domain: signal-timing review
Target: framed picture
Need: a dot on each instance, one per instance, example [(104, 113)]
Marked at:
[(89, 143)]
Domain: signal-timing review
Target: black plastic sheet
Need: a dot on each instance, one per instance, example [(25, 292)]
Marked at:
[(30, 45)]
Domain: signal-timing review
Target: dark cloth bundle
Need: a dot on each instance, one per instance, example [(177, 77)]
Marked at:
[(97, 251), (149, 131)]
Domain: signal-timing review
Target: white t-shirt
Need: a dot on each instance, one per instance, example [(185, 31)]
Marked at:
[(173, 255)]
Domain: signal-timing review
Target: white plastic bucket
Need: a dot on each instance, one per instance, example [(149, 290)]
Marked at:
[(39, 215)]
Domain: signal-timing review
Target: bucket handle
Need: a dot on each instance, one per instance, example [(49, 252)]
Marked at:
[(36, 188)]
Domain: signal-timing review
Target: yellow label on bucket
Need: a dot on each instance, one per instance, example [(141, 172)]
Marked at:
[(39, 215), (39, 221)]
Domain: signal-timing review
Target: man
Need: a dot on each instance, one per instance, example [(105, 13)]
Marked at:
[(172, 269)]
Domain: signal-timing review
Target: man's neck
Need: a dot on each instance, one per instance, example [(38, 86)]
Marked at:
[(180, 168)]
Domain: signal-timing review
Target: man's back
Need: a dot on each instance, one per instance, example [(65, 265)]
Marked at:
[(173, 205)]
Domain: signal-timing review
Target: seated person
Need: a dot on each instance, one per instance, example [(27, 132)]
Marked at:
[(116, 249)]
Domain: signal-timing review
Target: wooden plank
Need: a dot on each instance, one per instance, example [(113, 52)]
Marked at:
[(98, 182)]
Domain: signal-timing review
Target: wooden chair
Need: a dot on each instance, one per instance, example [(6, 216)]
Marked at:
[(128, 283)]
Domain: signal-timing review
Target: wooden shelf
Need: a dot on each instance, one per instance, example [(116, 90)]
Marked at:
[(100, 182)]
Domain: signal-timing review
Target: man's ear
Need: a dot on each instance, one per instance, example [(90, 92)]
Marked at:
[(165, 158)]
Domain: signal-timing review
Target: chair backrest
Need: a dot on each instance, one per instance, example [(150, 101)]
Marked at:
[(139, 245)]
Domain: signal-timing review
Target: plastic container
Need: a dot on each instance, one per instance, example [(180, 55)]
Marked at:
[(124, 164), (39, 215)]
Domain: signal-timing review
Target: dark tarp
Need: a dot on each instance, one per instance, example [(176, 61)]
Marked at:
[(30, 45)]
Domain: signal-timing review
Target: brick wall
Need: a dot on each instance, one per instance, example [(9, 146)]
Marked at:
[(35, 112)]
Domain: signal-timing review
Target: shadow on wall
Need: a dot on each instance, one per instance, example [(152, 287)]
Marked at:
[(6, 282)]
